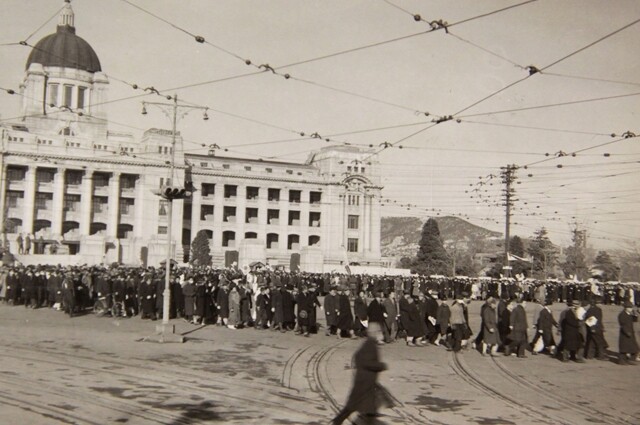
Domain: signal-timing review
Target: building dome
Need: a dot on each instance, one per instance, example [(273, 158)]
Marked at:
[(64, 48)]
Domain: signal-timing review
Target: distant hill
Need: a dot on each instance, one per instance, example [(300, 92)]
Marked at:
[(400, 236)]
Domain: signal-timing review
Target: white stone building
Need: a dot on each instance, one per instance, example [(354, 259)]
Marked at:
[(69, 182)]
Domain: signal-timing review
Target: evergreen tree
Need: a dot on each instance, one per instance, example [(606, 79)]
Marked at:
[(576, 264), (200, 250), (431, 258), (516, 247), (544, 254), (604, 263)]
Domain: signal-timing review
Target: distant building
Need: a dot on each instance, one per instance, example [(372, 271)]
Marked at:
[(86, 193)]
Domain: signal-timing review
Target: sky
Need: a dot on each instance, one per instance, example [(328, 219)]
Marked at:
[(368, 73)]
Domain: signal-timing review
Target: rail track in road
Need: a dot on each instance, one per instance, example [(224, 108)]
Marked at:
[(530, 399), (594, 414), (262, 397)]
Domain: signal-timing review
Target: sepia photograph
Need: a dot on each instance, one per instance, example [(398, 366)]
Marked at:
[(319, 212)]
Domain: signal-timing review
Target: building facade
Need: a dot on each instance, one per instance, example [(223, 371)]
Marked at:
[(84, 193)]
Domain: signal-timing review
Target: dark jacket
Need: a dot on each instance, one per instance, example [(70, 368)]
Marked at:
[(627, 341)]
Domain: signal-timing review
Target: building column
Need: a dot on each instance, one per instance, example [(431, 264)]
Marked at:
[(29, 199), (139, 208), (196, 205), (218, 208), (114, 205), (374, 226), (58, 202), (366, 223), (85, 202), (241, 210), (3, 200)]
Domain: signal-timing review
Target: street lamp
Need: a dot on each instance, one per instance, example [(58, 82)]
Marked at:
[(170, 193)]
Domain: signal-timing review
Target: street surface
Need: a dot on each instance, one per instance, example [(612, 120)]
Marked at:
[(89, 370)]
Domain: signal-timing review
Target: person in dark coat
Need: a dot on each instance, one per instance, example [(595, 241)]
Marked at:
[(572, 340), (313, 316), (288, 309), (305, 304), (222, 303), (148, 298), (518, 327), (411, 321), (390, 306), (544, 329), (595, 331), (489, 331), (628, 346), (331, 311), (188, 293), (432, 314), (442, 321), (366, 394), (277, 309), (200, 300), (69, 296), (345, 316), (360, 313), (263, 305), (376, 312)]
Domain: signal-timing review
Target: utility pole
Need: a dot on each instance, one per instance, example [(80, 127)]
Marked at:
[(170, 193), (508, 178)]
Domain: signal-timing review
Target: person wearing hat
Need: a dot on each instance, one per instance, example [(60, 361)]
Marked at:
[(544, 329), (431, 313), (263, 306), (572, 341), (518, 327), (222, 302), (490, 336), (331, 311), (595, 331), (628, 346), (304, 303), (390, 313), (345, 316), (442, 321)]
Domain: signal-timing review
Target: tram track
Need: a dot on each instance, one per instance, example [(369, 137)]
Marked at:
[(524, 408), (563, 401), (189, 383)]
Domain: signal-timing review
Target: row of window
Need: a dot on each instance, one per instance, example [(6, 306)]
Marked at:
[(253, 193), (65, 99), (246, 168)]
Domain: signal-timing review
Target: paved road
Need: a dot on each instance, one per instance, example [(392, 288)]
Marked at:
[(89, 370)]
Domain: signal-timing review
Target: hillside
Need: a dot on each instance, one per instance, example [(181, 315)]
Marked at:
[(400, 236)]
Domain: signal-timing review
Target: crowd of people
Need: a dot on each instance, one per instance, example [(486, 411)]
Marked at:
[(418, 310)]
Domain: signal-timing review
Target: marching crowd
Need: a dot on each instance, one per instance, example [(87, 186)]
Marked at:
[(420, 310)]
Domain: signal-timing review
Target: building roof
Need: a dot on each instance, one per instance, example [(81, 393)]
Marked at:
[(64, 48)]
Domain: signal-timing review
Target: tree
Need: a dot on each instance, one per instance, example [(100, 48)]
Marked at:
[(516, 247), (576, 263), (431, 258), (605, 265), (545, 255), (200, 250)]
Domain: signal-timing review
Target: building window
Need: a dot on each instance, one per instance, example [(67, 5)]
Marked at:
[(229, 214), (68, 96), (273, 216), (294, 196), (315, 197), (251, 235), (314, 219), (251, 215), (16, 174), (42, 200), (354, 200), (53, 94), (162, 230), (230, 191), (208, 189), (206, 212), (126, 206), (45, 176), (352, 245), (274, 195), (98, 203), (314, 240), (74, 178), (269, 170), (353, 222), (294, 218), (228, 238), (253, 193), (81, 94), (293, 242), (272, 241), (225, 166), (71, 203), (247, 168), (289, 171)]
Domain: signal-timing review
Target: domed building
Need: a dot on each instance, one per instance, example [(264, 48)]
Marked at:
[(82, 194)]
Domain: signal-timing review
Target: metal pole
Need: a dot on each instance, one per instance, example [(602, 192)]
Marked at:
[(166, 295), (3, 182)]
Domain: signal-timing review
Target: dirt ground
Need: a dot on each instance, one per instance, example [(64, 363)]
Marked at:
[(89, 370)]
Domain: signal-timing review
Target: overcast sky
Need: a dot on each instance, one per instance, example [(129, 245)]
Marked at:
[(390, 84)]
